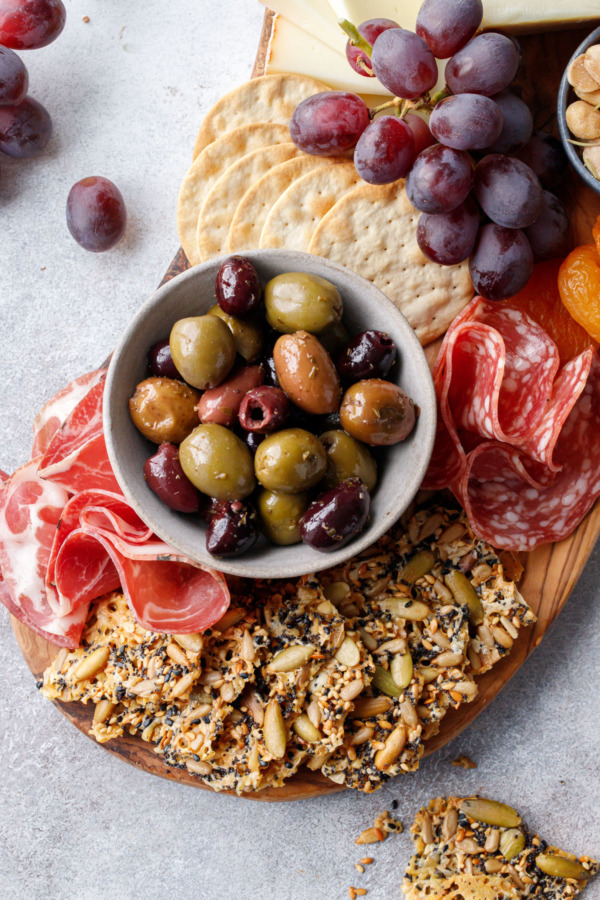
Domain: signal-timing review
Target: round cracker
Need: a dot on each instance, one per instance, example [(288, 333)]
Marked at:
[(222, 201), (270, 98), (255, 205), (373, 230), (208, 167), (294, 218)]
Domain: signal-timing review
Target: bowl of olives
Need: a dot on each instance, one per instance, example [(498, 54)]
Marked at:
[(270, 414)]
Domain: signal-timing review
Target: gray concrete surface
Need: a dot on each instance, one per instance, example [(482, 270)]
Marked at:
[(126, 93)]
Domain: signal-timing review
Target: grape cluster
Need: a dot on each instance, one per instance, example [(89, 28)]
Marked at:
[(473, 166)]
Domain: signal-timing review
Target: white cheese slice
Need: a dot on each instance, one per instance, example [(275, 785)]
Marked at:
[(313, 16)]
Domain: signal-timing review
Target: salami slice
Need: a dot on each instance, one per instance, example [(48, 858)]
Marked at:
[(76, 458), (55, 412)]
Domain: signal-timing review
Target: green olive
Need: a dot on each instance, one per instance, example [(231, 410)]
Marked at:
[(347, 458), (164, 409), (335, 339), (280, 514), (203, 350), (247, 334), (218, 463), (290, 461), (297, 301)]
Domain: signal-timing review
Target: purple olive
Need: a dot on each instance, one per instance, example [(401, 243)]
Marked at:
[(264, 409), (164, 476), (160, 361), (252, 440), (270, 373), (233, 529), (370, 354), (238, 286), (336, 517)]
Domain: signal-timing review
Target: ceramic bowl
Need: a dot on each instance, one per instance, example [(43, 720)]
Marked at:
[(566, 96), (401, 467)]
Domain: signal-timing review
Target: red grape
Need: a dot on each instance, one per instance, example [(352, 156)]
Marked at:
[(30, 24), (545, 155), (14, 79), (508, 191), (449, 238), (447, 25), (329, 123), (487, 65), (502, 262), (24, 129), (421, 133), (403, 63), (517, 123), (370, 31), (385, 151), (466, 122), (440, 179), (96, 214), (548, 234)]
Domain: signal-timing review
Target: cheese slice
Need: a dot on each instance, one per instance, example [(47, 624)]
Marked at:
[(291, 49), (507, 15), (313, 16)]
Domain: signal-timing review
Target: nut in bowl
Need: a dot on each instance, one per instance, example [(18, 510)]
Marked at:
[(578, 110), (400, 465)]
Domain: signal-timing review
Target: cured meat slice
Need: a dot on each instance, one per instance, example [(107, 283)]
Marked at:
[(76, 458), (29, 512), (53, 414)]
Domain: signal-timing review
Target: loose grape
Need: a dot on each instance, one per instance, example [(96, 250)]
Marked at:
[(502, 262), (385, 151), (24, 129), (96, 214), (30, 24), (466, 122), (14, 79), (440, 179), (422, 135), (447, 25), (449, 238), (508, 191), (548, 234), (329, 123), (487, 65), (544, 154), (517, 123), (403, 63), (370, 31)]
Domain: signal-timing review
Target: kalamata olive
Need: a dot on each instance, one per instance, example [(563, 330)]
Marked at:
[(264, 409), (252, 440), (270, 373), (221, 405), (336, 517), (233, 529), (280, 516), (370, 354), (218, 463), (160, 361), (238, 286), (306, 373), (203, 350), (330, 422), (290, 461), (164, 409), (164, 476), (377, 412), (247, 334), (297, 301), (334, 338), (347, 458)]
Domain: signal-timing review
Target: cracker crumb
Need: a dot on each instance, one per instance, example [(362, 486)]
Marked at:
[(388, 824), (359, 868), (463, 762)]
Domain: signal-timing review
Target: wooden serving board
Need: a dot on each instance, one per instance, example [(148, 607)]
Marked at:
[(551, 571)]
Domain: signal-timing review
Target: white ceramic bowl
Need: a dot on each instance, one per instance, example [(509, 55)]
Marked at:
[(401, 468)]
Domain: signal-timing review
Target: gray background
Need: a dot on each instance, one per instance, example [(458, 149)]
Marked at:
[(126, 93)]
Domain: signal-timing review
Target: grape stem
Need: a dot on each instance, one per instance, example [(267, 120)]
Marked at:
[(441, 95), (356, 39)]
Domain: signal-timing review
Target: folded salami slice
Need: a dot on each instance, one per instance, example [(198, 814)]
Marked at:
[(53, 414)]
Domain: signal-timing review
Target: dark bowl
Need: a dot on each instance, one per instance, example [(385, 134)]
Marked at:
[(564, 98)]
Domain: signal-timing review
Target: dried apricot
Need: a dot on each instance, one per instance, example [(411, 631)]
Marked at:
[(579, 286), (596, 233), (541, 300)]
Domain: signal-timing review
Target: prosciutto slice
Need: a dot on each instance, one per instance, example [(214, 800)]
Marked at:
[(55, 411)]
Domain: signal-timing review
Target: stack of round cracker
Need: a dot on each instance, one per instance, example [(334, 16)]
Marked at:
[(250, 187)]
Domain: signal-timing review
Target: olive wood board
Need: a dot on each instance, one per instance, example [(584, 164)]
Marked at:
[(550, 572)]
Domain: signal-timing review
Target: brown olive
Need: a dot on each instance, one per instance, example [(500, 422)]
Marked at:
[(203, 350), (164, 409), (290, 461), (306, 373), (377, 412), (247, 334), (347, 458), (218, 463)]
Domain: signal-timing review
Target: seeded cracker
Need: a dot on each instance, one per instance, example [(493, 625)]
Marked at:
[(373, 230), (270, 98)]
